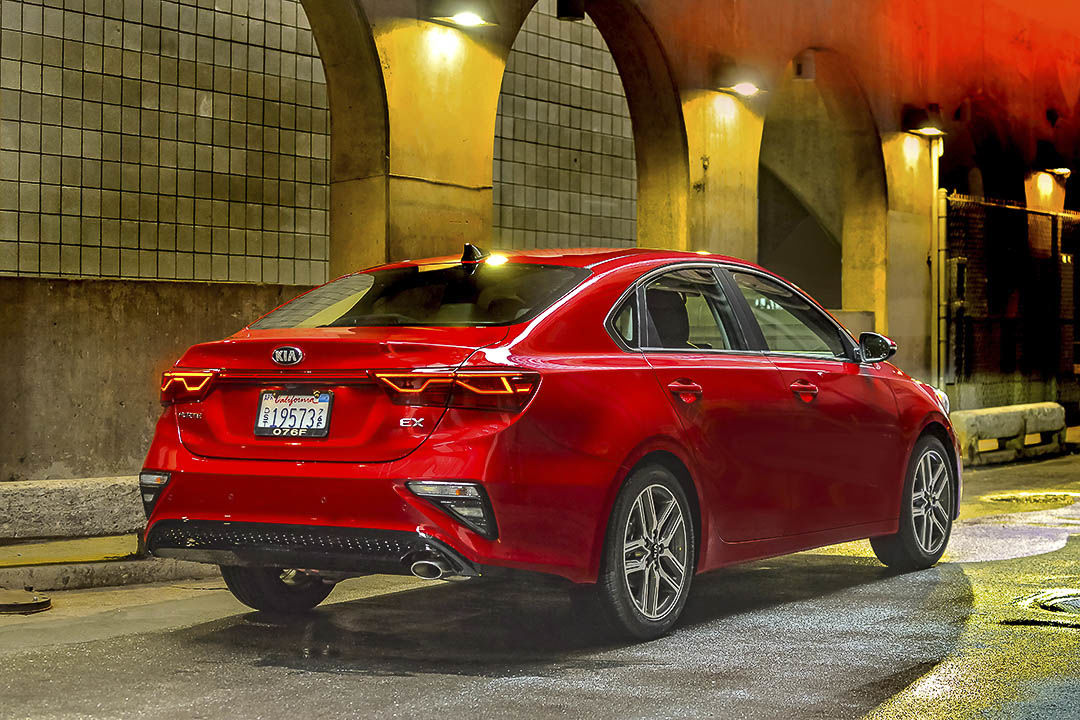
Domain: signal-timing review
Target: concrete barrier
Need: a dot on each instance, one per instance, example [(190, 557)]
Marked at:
[(1013, 432), (86, 507), (58, 510)]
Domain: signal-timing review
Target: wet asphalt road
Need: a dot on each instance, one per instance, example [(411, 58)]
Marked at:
[(829, 634)]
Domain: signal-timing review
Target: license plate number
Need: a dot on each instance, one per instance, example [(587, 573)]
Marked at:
[(290, 415)]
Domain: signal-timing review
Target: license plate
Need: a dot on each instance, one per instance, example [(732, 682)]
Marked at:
[(283, 414)]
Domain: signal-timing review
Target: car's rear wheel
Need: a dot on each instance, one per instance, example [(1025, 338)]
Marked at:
[(926, 513), (275, 589), (648, 560)]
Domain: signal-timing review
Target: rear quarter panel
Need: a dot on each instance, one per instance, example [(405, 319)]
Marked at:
[(558, 468)]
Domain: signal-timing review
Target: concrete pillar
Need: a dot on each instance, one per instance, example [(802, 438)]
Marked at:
[(724, 138), (359, 134), (909, 173)]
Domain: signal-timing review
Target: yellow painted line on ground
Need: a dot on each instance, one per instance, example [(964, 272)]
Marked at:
[(53, 552)]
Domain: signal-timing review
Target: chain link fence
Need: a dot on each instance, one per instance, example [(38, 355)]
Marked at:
[(1010, 294)]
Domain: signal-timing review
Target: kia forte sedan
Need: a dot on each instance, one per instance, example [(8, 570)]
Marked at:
[(624, 419)]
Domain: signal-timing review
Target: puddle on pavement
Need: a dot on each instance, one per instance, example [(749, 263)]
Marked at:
[(1024, 501)]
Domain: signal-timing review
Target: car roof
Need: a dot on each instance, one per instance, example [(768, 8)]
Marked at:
[(592, 258)]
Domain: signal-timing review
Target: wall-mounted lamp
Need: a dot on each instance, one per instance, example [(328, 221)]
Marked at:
[(925, 121), (573, 10), (736, 79), (1048, 159), (463, 13)]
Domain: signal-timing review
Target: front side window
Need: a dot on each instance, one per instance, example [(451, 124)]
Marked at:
[(687, 310), (788, 321), (447, 294)]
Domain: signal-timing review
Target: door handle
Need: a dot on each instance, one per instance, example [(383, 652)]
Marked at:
[(805, 389), (687, 390)]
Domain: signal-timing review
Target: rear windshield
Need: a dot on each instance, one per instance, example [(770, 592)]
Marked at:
[(445, 294)]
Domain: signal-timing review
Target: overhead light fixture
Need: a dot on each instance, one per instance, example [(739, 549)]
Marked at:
[(728, 77), (1048, 159), (925, 121), (462, 13), (746, 89), (572, 10)]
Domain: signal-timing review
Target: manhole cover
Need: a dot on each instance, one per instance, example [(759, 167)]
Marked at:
[(1067, 601), (21, 602)]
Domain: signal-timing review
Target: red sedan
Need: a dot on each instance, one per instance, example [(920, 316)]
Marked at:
[(624, 419)]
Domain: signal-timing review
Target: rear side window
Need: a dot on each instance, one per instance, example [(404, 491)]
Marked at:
[(449, 294), (789, 323), (687, 310), (625, 323)]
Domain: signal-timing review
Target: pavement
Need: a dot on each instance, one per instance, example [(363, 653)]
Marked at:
[(823, 634)]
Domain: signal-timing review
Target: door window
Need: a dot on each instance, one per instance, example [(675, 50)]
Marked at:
[(687, 310), (788, 321)]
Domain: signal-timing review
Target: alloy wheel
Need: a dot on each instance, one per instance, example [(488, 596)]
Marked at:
[(655, 552), (931, 501)]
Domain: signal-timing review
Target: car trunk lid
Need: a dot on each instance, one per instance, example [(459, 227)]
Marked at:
[(364, 424)]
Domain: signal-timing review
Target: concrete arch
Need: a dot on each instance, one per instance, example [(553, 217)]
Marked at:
[(565, 172), (653, 99), (413, 109), (823, 198), (981, 156), (359, 134), (663, 168)]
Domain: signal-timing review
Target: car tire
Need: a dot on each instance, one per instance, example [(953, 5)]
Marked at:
[(275, 590), (929, 499), (650, 535)]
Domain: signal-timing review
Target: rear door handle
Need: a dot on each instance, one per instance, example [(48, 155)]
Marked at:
[(687, 390), (805, 389)]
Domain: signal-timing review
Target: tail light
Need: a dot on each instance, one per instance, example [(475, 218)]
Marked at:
[(185, 385), (480, 390)]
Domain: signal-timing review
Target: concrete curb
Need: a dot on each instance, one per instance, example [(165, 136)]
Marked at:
[(1005, 430), (76, 576), (86, 507)]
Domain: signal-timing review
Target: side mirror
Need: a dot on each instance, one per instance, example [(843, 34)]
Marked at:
[(875, 348)]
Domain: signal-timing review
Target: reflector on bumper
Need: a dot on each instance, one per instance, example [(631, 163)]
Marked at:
[(465, 502)]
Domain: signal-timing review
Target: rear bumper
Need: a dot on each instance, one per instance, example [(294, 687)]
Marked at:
[(546, 505), (310, 547)]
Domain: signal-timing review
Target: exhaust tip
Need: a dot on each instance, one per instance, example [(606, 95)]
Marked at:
[(430, 569)]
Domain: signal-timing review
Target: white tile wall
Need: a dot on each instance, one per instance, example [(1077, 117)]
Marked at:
[(564, 171), (159, 139)]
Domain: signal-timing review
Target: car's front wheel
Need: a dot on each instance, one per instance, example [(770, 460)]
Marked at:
[(648, 559), (926, 512), (275, 589)]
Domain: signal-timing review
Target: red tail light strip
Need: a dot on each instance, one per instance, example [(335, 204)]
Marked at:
[(508, 387), (185, 385), (492, 390), (192, 382)]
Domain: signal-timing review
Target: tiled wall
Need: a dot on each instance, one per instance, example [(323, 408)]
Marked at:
[(155, 139), (564, 151)]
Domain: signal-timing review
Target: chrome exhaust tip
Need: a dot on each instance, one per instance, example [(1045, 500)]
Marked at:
[(431, 569)]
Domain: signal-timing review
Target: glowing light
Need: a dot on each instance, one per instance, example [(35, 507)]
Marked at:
[(1062, 171), (912, 149), (929, 131), (497, 260), (746, 89), (724, 106), (1045, 183), (702, 252), (468, 19), (443, 43)]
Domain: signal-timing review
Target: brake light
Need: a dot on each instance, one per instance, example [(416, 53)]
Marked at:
[(483, 390), (185, 385)]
